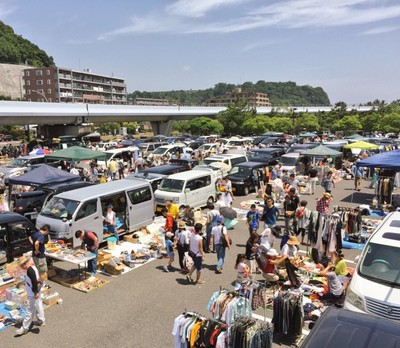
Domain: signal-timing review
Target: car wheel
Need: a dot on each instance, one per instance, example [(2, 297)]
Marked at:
[(246, 191)]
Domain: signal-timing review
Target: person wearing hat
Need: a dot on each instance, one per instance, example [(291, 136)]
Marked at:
[(182, 236), (219, 235), (110, 220), (169, 237), (267, 265), (289, 250), (38, 241), (324, 203), (35, 305)]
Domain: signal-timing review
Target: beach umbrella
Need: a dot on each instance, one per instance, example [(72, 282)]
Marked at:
[(363, 145)]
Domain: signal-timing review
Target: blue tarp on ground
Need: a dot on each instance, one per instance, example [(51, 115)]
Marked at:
[(387, 160)]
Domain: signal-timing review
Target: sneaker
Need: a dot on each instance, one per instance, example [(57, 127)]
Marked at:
[(21, 331), (166, 269), (38, 323), (218, 271)]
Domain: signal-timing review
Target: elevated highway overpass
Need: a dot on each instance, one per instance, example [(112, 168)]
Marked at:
[(160, 117)]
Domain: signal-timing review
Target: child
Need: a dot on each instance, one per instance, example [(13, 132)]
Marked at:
[(169, 236), (242, 269), (253, 217), (302, 216), (328, 183), (169, 220)]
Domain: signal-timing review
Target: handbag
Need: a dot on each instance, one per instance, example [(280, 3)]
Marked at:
[(223, 240)]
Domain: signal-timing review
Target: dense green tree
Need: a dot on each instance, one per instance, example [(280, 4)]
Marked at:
[(348, 124), (306, 122), (370, 122), (282, 124), (234, 117), (14, 49), (257, 125), (108, 127), (390, 123), (204, 126)]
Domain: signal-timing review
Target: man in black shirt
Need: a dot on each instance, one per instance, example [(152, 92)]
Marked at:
[(312, 178)]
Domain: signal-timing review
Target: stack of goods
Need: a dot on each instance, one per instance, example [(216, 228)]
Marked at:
[(114, 266), (49, 299), (5, 277), (90, 284), (17, 296)]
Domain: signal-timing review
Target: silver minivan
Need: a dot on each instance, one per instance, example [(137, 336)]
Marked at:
[(84, 208)]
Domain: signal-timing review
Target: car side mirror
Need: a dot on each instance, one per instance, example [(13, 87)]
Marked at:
[(187, 190)]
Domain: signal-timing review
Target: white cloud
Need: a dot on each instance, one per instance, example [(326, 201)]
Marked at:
[(186, 68), (198, 8), (287, 14), (6, 9), (379, 30), (259, 44)]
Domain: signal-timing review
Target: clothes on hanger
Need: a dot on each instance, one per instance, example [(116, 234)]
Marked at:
[(384, 190), (250, 333), (288, 313)]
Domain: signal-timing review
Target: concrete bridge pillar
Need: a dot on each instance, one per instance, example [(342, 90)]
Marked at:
[(163, 128)]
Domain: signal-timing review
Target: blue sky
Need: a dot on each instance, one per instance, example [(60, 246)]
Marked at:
[(350, 48)]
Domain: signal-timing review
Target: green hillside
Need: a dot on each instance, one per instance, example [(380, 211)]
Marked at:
[(280, 94), (14, 49)]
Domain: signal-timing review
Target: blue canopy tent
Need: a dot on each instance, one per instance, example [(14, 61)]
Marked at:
[(387, 160)]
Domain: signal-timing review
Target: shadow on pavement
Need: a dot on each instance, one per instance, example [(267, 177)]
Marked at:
[(359, 198)]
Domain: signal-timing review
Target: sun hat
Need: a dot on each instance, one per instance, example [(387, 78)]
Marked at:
[(23, 260), (272, 253), (327, 195), (182, 224), (293, 241)]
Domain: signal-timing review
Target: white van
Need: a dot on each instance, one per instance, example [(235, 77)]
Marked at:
[(84, 208), (229, 159), (171, 149), (123, 154), (194, 187), (375, 285), (291, 161)]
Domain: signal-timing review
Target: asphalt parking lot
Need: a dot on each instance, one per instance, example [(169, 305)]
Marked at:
[(137, 309)]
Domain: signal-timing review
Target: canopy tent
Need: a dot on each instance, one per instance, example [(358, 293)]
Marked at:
[(321, 151), (42, 175), (76, 153), (363, 145), (387, 160), (354, 136)]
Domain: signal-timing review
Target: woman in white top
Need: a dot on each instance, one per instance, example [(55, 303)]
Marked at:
[(226, 186), (111, 221)]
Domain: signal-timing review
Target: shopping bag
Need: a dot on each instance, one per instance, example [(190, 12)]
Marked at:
[(188, 261)]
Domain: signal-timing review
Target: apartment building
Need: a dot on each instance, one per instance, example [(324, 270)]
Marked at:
[(60, 85), (253, 99), (154, 102)]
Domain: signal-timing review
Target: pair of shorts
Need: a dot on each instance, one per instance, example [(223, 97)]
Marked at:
[(198, 263), (172, 257), (41, 264)]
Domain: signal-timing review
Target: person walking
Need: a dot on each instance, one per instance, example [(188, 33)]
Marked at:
[(358, 173), (289, 208), (196, 252), (251, 248), (91, 242), (270, 213), (111, 222), (226, 189), (324, 203), (182, 236), (252, 219), (312, 178), (327, 182), (302, 217), (38, 241), (113, 168), (212, 216), (169, 236), (35, 305), (220, 238)]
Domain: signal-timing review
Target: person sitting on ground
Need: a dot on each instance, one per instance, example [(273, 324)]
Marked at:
[(340, 267), (243, 270), (289, 250), (266, 262), (188, 215)]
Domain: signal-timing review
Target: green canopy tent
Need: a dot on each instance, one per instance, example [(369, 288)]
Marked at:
[(362, 145), (321, 151), (354, 137), (76, 153), (308, 135)]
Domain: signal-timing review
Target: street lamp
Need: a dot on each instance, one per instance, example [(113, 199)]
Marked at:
[(41, 94)]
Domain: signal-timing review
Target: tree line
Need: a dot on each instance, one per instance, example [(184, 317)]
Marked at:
[(238, 119)]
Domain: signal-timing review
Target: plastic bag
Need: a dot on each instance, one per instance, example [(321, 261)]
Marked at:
[(188, 261)]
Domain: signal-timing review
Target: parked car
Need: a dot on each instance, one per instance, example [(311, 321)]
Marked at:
[(165, 169), (15, 231), (20, 165), (166, 149), (145, 149), (7, 137), (244, 177)]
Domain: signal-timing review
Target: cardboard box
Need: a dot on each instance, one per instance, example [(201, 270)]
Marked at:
[(103, 256), (113, 270), (50, 301), (129, 238), (10, 305)]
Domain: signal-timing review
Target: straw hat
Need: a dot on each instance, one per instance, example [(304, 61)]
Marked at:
[(182, 224), (327, 195), (23, 260), (293, 241)]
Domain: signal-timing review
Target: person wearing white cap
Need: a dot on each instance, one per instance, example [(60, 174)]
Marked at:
[(268, 270), (220, 238)]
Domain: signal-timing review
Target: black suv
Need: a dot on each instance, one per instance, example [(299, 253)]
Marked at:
[(15, 231)]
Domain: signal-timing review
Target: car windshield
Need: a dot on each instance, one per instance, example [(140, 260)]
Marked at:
[(160, 151), (260, 154), (289, 161), (210, 160), (19, 162), (381, 264), (171, 185), (60, 208), (206, 147), (243, 172)]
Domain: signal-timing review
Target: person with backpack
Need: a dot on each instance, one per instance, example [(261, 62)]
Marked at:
[(212, 216), (220, 238)]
